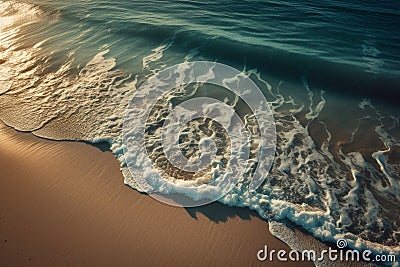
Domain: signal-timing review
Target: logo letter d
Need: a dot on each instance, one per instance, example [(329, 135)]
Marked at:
[(260, 253)]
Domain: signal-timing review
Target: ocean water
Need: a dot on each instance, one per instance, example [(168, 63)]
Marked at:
[(330, 71)]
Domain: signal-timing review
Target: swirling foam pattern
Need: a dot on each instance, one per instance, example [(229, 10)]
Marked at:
[(196, 192)]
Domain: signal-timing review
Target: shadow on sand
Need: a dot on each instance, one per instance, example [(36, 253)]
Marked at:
[(219, 212)]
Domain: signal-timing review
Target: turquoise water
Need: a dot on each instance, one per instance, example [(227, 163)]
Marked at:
[(355, 42), (353, 33), (330, 71)]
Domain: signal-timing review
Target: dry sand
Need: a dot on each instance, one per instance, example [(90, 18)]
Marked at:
[(64, 203)]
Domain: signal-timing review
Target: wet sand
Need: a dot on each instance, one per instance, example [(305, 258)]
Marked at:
[(64, 203)]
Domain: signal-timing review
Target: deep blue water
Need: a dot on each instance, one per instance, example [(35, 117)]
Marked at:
[(343, 45)]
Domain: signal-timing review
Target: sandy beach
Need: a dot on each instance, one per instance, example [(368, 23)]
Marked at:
[(64, 203)]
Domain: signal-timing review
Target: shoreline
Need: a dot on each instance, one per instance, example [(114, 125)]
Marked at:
[(66, 203)]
